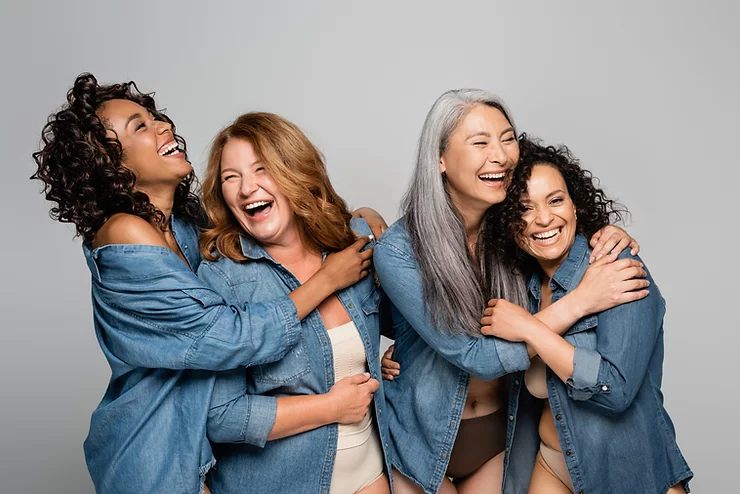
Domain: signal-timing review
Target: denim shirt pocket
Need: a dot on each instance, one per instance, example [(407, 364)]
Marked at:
[(293, 365), (371, 303)]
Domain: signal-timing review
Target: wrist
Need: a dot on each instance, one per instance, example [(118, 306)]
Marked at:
[(532, 333), (322, 283), (577, 305)]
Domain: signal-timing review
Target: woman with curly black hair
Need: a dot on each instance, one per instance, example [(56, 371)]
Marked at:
[(113, 165), (602, 426)]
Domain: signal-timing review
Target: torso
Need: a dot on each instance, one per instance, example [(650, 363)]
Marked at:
[(484, 397), (547, 430)]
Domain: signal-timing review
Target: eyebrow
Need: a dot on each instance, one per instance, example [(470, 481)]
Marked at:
[(559, 191), (479, 134), (132, 118)]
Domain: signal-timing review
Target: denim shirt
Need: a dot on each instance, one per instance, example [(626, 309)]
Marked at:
[(612, 427), (425, 403), (244, 403), (156, 323)]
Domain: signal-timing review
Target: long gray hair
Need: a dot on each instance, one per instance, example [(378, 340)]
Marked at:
[(452, 281)]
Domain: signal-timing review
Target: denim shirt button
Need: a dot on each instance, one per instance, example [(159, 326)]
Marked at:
[(568, 453), (331, 453), (558, 417), (367, 341), (350, 305), (605, 388), (516, 382), (511, 417)]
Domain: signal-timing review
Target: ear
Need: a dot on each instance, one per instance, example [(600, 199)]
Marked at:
[(575, 213), (442, 166)]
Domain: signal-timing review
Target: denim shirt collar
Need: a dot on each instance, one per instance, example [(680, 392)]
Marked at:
[(254, 251), (565, 276)]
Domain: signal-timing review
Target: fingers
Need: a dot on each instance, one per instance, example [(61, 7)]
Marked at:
[(630, 265), (594, 239), (635, 247), (493, 302), (486, 321), (361, 242), (387, 360), (366, 254), (366, 264), (359, 378), (603, 246), (632, 285), (623, 243), (627, 297), (387, 376), (371, 386)]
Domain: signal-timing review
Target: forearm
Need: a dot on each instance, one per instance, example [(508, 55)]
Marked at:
[(310, 294), (296, 414), (555, 351), (561, 315)]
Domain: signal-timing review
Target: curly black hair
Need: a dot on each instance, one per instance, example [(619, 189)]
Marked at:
[(504, 222), (80, 164)]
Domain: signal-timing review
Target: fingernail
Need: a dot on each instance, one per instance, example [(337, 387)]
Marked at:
[(371, 237)]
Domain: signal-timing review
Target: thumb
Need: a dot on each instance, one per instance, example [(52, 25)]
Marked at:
[(372, 385), (359, 378), (362, 242)]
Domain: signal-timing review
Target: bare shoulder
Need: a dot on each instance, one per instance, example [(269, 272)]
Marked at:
[(123, 228)]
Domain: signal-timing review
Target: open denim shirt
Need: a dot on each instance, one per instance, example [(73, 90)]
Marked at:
[(156, 323), (425, 403), (244, 403), (612, 427)]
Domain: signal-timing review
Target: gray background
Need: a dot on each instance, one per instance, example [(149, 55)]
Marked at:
[(645, 93)]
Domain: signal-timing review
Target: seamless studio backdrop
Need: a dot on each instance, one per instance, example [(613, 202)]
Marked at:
[(645, 93)]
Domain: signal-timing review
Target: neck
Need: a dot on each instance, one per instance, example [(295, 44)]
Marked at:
[(471, 221), (162, 198), (289, 249), (550, 266)]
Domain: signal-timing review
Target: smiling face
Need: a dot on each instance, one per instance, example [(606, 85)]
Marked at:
[(253, 196), (149, 147), (481, 152), (550, 218)]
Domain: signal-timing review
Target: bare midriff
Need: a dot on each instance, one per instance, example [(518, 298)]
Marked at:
[(484, 397)]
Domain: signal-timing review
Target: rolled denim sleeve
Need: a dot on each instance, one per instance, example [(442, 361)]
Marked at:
[(484, 357), (243, 419), (611, 375), (173, 319)]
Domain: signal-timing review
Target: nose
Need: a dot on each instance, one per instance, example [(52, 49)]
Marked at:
[(496, 154), (162, 126), (248, 186), (543, 217)]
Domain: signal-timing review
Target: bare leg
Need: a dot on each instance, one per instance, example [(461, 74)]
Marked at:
[(677, 489), (447, 487), (544, 480), (402, 485), (488, 479), (379, 486), (206, 490)]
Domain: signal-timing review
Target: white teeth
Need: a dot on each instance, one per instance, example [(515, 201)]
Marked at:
[(256, 204), (546, 235), (492, 175), (169, 147)]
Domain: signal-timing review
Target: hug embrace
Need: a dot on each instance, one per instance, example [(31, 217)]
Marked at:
[(242, 320)]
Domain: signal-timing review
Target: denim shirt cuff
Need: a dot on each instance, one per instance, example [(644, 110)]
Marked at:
[(260, 419), (291, 323), (513, 356), (586, 365)]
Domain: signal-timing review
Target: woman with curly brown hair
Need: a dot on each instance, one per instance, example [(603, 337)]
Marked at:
[(113, 165), (591, 416)]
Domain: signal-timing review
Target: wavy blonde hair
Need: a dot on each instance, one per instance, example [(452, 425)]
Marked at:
[(297, 168)]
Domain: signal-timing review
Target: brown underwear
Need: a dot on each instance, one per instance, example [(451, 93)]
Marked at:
[(478, 440)]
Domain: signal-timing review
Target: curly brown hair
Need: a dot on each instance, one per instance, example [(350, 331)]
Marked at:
[(504, 222), (81, 165)]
